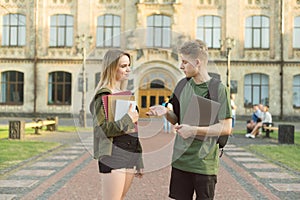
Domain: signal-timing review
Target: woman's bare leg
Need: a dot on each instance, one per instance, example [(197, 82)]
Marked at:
[(128, 180), (116, 184), (113, 185)]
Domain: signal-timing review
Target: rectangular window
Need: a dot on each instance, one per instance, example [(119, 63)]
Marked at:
[(14, 30), (159, 31), (296, 33), (108, 31), (257, 32), (209, 30), (61, 31)]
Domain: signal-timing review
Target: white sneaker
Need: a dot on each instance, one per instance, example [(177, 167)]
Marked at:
[(247, 135), (251, 136)]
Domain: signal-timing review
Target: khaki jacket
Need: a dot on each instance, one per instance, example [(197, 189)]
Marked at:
[(103, 130)]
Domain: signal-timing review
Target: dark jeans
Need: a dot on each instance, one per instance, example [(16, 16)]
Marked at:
[(183, 184)]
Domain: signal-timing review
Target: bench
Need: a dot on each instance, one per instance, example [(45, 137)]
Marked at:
[(17, 128), (38, 124), (268, 128)]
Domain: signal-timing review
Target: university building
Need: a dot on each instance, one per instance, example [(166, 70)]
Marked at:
[(51, 51)]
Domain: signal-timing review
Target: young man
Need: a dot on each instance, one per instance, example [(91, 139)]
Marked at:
[(195, 161)]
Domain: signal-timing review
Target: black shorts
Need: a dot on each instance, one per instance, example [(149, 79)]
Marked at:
[(183, 184), (125, 154)]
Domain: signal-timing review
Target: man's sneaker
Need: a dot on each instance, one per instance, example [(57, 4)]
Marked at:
[(247, 135)]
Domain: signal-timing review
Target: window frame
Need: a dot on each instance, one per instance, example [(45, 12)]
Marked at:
[(110, 36), (159, 33), (262, 86), (17, 84), (202, 30), (61, 32), (296, 87), (256, 32), (53, 88), (296, 32), (14, 31)]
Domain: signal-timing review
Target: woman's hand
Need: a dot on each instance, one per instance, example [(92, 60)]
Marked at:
[(133, 114), (157, 110)]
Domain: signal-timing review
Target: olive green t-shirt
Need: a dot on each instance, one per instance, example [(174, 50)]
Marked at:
[(194, 155)]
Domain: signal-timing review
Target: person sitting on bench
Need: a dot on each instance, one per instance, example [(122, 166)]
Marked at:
[(256, 117), (266, 118)]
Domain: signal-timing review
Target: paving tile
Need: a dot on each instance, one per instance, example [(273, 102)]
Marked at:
[(17, 183), (260, 166), (72, 151), (7, 196), (226, 149), (239, 153), (247, 159), (77, 147), (289, 187), (274, 175), (63, 157), (49, 164), (34, 172)]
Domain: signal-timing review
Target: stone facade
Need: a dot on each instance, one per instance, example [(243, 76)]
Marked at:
[(280, 62)]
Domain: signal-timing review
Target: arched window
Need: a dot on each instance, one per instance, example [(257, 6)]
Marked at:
[(257, 32), (61, 31), (209, 30), (60, 88), (12, 88), (14, 30), (158, 31), (296, 91), (157, 84), (108, 31), (256, 89)]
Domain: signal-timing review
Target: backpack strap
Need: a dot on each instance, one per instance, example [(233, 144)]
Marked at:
[(213, 91), (176, 96)]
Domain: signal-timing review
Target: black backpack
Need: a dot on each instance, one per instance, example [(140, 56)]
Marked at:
[(212, 94)]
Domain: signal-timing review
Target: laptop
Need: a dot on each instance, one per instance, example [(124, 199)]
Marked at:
[(201, 111)]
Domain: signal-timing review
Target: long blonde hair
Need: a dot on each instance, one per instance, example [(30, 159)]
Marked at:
[(109, 72), (110, 66)]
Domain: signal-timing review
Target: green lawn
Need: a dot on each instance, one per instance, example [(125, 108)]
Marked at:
[(287, 155), (13, 152), (30, 131)]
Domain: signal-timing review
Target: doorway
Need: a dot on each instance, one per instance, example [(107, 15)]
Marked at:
[(153, 95)]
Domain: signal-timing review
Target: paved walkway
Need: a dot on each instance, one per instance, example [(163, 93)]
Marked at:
[(70, 172)]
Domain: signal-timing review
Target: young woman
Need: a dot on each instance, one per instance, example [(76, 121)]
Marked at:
[(116, 147)]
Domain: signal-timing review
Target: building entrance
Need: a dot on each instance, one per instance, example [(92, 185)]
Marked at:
[(154, 95)]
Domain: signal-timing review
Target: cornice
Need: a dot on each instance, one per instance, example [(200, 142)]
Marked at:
[(49, 61)]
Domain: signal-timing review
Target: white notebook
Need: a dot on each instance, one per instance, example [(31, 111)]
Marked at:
[(122, 107)]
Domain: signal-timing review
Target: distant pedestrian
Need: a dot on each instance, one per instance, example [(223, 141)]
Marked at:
[(233, 108), (117, 149), (195, 160), (167, 124)]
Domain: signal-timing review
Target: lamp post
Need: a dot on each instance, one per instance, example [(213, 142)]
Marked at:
[(227, 44), (82, 43)]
